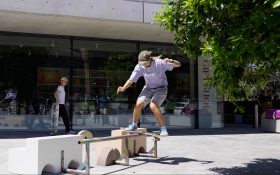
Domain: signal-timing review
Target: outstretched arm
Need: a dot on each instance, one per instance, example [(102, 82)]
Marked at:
[(135, 75), (125, 86), (175, 63)]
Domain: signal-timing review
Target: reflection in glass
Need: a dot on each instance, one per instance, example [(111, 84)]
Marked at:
[(31, 67), (30, 71)]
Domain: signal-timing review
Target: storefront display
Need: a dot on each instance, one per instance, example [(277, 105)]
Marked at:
[(33, 65)]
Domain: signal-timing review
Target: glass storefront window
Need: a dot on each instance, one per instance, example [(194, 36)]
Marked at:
[(99, 69), (31, 68)]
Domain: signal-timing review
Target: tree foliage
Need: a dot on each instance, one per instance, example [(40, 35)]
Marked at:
[(242, 37)]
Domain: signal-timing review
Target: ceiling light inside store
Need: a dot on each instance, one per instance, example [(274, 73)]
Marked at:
[(52, 44)]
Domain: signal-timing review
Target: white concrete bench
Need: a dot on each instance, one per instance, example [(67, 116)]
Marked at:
[(271, 125), (44, 154)]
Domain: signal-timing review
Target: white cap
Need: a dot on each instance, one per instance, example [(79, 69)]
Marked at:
[(64, 79)]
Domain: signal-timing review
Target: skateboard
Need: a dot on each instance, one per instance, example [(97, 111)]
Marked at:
[(155, 134), (54, 119)]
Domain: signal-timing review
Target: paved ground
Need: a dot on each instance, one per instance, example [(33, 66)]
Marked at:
[(210, 151)]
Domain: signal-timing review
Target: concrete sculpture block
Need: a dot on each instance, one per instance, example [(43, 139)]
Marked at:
[(109, 156), (135, 144), (44, 154)]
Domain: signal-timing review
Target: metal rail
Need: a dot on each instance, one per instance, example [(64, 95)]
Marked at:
[(86, 164), (94, 140)]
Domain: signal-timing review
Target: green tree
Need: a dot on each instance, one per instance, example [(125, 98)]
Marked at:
[(242, 37)]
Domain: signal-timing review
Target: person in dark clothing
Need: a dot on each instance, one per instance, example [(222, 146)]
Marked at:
[(103, 106)]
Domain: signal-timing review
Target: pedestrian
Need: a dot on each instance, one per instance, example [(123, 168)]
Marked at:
[(104, 103), (60, 100), (155, 90)]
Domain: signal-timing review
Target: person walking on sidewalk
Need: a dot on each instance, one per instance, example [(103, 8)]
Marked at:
[(155, 90), (60, 100)]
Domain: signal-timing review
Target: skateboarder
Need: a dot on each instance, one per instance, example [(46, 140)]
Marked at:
[(60, 100), (155, 91)]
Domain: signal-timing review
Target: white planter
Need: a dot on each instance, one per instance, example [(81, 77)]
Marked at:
[(270, 125)]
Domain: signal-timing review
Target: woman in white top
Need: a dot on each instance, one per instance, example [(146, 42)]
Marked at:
[(60, 100)]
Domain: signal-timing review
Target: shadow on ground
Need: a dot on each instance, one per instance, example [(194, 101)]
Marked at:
[(256, 167), (163, 160), (171, 160)]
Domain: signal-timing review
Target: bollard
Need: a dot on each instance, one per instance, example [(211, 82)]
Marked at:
[(62, 160), (256, 117)]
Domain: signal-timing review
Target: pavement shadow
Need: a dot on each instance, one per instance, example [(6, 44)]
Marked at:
[(256, 167), (163, 160), (171, 160)]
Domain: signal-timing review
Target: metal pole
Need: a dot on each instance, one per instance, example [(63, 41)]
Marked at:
[(127, 152), (196, 73), (155, 148), (72, 171), (137, 90), (62, 161), (256, 116), (71, 83), (134, 148), (87, 159), (85, 141)]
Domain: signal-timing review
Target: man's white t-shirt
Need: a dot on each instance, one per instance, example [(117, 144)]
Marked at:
[(60, 95)]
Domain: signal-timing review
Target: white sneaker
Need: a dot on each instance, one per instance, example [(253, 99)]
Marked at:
[(131, 127), (163, 132)]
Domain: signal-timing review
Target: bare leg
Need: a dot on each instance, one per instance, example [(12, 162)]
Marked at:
[(137, 111), (155, 109)]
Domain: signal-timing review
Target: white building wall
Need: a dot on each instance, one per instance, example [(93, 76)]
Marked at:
[(124, 10)]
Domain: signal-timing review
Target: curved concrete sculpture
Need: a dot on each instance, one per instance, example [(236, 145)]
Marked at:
[(45, 153)]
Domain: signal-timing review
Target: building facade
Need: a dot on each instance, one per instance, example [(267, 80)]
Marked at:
[(95, 44)]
